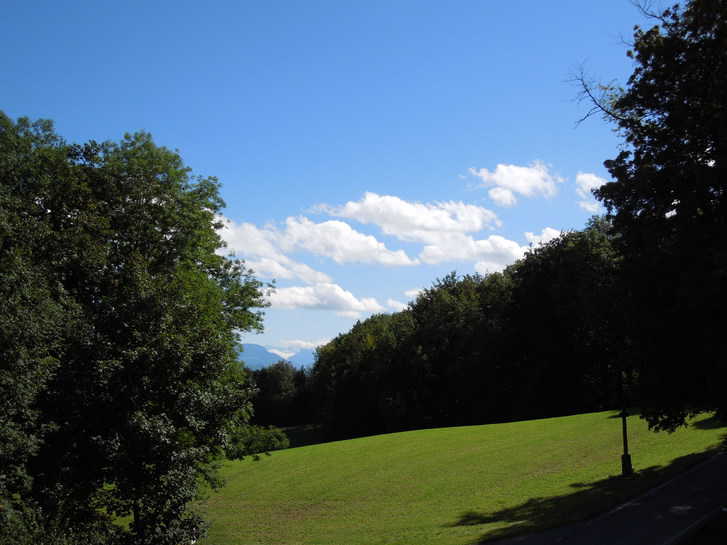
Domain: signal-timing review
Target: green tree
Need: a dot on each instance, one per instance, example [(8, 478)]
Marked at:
[(458, 326), (564, 325), (139, 387), (435, 363), (668, 202), (34, 312), (366, 380), (276, 390)]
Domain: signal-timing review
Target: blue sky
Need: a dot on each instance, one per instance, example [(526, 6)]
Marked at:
[(365, 148)]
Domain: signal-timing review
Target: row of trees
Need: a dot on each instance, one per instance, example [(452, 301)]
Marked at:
[(538, 339), (118, 322), (283, 395)]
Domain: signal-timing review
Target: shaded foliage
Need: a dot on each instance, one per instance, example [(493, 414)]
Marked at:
[(283, 396), (539, 339), (118, 326), (668, 202), (565, 322), (246, 440)]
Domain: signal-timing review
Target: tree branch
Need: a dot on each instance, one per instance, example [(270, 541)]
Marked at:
[(598, 103)]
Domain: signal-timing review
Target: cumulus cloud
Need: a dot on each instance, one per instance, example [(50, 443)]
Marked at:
[(590, 206), (265, 249), (502, 196), (414, 221), (286, 268), (396, 306), (337, 240), (442, 227), (261, 251), (586, 182), (491, 254), (325, 296), (508, 180), (545, 236), (244, 239)]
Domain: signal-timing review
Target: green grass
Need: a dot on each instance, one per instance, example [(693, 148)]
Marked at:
[(446, 486)]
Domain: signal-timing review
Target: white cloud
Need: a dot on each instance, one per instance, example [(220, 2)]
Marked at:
[(337, 240), (282, 353), (586, 182), (532, 181), (413, 221), (495, 249), (326, 296), (396, 306), (590, 206), (413, 294), (502, 196), (299, 344), (545, 236), (261, 251), (265, 249), (244, 239), (269, 268)]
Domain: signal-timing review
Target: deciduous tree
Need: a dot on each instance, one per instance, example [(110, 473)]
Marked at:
[(136, 386), (668, 201)]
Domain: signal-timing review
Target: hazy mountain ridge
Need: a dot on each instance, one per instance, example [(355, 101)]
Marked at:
[(256, 356)]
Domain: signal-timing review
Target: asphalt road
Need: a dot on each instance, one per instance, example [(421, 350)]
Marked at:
[(665, 515)]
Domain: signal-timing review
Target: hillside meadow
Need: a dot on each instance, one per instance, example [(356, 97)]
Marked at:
[(449, 485)]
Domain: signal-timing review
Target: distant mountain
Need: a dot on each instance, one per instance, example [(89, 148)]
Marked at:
[(304, 358), (256, 356)]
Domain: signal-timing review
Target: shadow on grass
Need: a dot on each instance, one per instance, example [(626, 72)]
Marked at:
[(587, 500), (709, 423), (629, 412)]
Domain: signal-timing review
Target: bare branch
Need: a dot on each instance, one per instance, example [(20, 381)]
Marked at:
[(599, 101), (646, 7)]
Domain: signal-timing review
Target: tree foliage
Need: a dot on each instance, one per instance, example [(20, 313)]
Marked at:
[(282, 395), (539, 339), (564, 324), (118, 330), (668, 202)]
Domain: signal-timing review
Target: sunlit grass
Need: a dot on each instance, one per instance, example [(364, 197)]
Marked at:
[(444, 486)]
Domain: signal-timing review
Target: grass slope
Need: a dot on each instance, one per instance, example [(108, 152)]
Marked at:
[(445, 486)]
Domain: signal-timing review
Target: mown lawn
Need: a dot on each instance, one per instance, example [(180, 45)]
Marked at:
[(445, 486)]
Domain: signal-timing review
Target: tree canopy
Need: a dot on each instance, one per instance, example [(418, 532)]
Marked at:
[(117, 332), (668, 202), (539, 339)]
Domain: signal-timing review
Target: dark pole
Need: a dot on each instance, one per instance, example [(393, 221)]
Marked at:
[(626, 467)]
